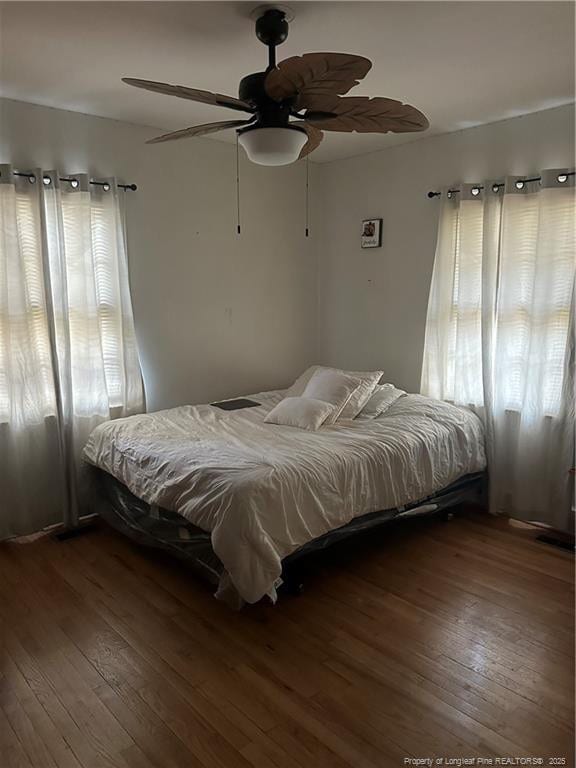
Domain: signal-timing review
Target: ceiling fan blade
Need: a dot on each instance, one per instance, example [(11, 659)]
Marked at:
[(315, 74), (199, 130), (315, 137), (193, 94), (366, 115)]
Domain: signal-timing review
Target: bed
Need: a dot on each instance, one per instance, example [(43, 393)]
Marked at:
[(255, 495)]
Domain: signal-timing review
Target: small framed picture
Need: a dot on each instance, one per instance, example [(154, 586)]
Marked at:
[(371, 233)]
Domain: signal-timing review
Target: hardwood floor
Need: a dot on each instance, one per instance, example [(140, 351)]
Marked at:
[(434, 639)]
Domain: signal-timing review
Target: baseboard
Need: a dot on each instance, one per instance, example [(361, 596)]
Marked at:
[(557, 540), (85, 525)]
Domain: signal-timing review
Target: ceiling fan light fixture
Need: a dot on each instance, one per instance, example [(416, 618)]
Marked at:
[(273, 146)]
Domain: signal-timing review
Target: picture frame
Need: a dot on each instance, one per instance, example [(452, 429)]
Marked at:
[(371, 233)]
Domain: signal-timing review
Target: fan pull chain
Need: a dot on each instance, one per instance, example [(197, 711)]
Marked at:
[(237, 186), (307, 196)]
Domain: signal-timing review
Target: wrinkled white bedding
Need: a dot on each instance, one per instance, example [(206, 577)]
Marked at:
[(264, 490)]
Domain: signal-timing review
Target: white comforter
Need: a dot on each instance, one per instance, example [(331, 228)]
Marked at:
[(264, 490)]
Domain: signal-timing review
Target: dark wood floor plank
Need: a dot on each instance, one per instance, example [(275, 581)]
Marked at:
[(306, 748), (343, 742), (11, 749), (207, 747), (14, 684), (431, 639)]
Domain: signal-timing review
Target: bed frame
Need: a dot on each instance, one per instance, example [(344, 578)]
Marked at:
[(469, 489), (161, 529)]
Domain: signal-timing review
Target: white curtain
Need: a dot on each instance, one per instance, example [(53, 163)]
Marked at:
[(68, 357), (500, 336)]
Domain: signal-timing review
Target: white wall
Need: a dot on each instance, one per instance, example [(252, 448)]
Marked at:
[(372, 303), (216, 314)]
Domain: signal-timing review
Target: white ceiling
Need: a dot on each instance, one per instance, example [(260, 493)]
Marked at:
[(461, 63)]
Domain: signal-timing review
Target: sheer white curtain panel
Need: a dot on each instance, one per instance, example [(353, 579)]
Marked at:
[(31, 470), (79, 343), (500, 335)]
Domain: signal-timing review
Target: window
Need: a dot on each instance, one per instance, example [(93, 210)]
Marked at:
[(64, 279), (500, 302)]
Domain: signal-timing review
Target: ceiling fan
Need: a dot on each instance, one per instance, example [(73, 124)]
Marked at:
[(294, 101)]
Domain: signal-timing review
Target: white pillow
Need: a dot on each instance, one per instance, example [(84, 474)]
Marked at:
[(300, 384), (382, 398), (301, 412), (362, 394), (366, 384), (333, 387)]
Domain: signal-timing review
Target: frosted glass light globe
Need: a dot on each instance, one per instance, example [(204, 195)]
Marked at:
[(273, 146)]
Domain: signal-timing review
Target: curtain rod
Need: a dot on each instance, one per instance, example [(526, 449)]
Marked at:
[(495, 187), (74, 182)]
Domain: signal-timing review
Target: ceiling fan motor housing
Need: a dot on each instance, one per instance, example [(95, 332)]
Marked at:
[(251, 88), (270, 113)]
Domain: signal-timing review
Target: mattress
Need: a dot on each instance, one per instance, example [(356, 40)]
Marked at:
[(263, 491)]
